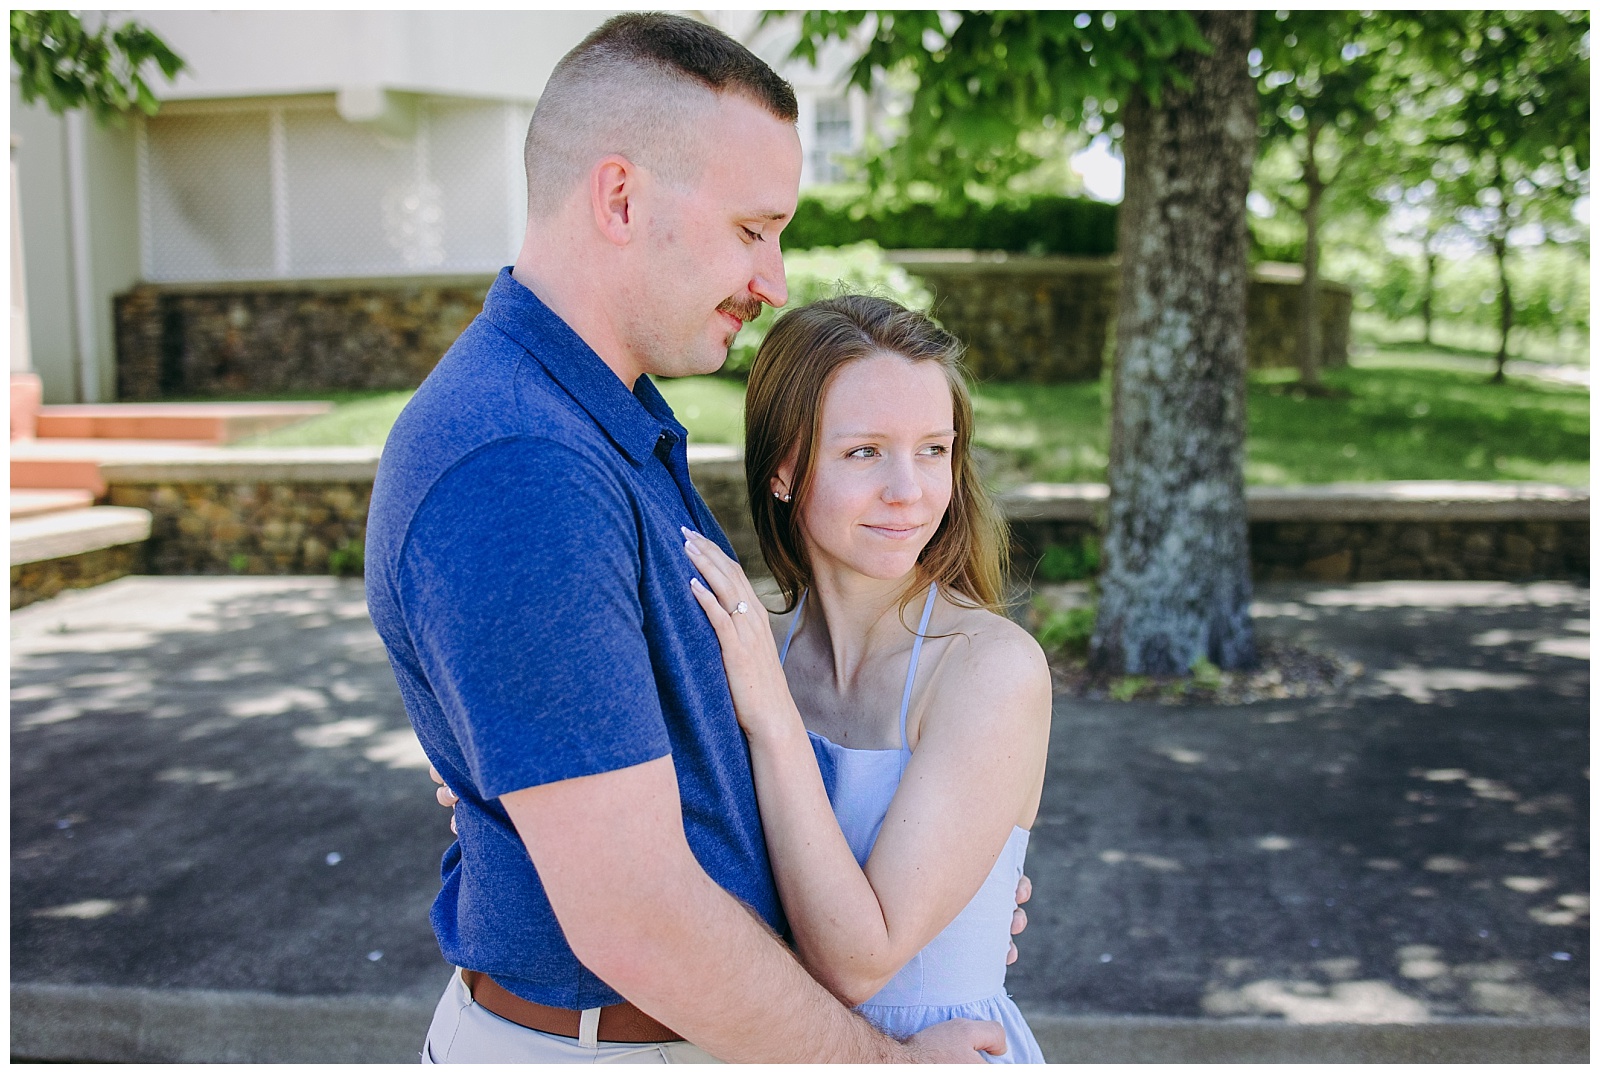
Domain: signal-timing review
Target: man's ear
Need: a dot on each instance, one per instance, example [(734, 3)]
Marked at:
[(613, 184)]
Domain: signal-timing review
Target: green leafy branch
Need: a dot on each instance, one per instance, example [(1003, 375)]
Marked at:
[(62, 62)]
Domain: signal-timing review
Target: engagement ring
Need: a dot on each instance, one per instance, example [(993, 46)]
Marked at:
[(740, 608)]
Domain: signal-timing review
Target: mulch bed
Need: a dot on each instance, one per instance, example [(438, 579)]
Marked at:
[(1283, 671)]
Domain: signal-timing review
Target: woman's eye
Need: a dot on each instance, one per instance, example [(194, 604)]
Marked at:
[(863, 453), (937, 449)]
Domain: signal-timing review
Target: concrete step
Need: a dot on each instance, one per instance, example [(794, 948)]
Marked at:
[(62, 463), (26, 503), (215, 423), (71, 533)]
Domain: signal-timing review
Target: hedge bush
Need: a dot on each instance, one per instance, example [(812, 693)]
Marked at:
[(828, 272), (1041, 225)]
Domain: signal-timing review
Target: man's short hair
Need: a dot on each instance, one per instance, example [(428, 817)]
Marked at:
[(636, 87)]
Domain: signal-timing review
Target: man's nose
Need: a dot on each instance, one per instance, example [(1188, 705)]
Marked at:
[(770, 284)]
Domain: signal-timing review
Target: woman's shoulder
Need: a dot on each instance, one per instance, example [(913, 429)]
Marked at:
[(993, 650), (992, 684), (988, 634)]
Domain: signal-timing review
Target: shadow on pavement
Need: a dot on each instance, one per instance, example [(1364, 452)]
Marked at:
[(216, 796)]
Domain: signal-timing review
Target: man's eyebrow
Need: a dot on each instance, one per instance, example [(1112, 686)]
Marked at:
[(771, 214)]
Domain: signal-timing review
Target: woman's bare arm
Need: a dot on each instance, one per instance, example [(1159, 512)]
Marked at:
[(976, 771)]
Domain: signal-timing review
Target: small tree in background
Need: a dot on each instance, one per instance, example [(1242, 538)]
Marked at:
[(1508, 138), (1327, 83), (67, 66)]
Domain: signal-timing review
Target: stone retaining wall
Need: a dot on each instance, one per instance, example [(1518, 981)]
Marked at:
[(1048, 319), (273, 337), (46, 578), (1040, 319), (285, 512)]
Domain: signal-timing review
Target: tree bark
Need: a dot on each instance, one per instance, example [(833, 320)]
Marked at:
[(1497, 242), (1507, 310), (1176, 580), (1310, 353), (1430, 262)]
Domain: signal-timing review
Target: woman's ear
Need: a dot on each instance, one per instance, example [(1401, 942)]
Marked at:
[(783, 480)]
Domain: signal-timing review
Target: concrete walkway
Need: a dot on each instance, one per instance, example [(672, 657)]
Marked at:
[(224, 842)]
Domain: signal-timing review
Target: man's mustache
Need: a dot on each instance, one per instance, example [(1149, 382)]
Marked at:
[(746, 309)]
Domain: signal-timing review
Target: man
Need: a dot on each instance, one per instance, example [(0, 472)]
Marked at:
[(526, 573)]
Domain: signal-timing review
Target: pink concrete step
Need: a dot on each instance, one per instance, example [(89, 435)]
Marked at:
[(57, 463), (216, 423), (30, 503)]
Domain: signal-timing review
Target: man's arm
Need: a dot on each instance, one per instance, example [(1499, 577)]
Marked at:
[(1019, 917), (638, 910)]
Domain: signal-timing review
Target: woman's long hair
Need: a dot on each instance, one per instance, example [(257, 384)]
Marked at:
[(783, 414)]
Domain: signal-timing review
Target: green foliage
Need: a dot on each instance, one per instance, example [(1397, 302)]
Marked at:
[(1205, 674), (1069, 563), (983, 79), (824, 273), (238, 562), (1127, 687), (1549, 287), (1066, 631), (1039, 225), (68, 66), (348, 560)]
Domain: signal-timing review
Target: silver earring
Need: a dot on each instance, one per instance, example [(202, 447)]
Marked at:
[(781, 496)]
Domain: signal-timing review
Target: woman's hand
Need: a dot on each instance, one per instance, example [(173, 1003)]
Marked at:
[(444, 796), (749, 655)]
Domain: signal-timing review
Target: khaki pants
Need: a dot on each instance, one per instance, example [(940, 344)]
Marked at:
[(463, 1032)]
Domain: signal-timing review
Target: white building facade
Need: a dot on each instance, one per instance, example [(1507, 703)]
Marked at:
[(306, 145)]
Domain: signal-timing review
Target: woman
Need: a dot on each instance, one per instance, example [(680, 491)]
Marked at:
[(898, 769)]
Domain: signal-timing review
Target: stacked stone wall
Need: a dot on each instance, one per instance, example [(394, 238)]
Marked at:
[(1035, 319), (272, 338), (1049, 319), (45, 578), (256, 527), (1355, 551), (289, 518)]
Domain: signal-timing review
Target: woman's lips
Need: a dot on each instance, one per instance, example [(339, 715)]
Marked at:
[(895, 533)]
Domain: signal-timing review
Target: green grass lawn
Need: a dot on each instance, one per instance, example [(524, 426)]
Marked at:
[(1410, 415)]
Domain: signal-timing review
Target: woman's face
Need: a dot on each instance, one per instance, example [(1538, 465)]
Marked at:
[(881, 476)]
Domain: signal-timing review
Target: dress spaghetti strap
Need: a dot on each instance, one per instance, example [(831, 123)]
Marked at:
[(784, 653), (911, 672)]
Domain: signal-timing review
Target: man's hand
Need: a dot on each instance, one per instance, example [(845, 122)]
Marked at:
[(447, 798), (957, 1041), (1019, 916)]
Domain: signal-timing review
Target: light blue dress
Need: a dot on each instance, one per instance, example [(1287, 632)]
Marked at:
[(961, 973)]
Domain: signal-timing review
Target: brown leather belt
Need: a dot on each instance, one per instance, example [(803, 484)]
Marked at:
[(621, 1023)]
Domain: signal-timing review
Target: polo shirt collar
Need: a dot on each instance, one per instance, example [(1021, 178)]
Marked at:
[(634, 420)]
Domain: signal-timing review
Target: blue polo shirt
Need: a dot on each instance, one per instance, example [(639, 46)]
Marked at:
[(526, 573)]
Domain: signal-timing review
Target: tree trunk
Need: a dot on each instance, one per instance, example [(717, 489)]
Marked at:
[(1507, 311), (1430, 262), (1310, 350), (1176, 581)]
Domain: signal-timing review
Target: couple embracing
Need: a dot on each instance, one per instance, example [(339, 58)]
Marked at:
[(688, 831)]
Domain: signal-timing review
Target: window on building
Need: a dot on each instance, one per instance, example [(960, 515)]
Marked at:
[(288, 189), (832, 137)]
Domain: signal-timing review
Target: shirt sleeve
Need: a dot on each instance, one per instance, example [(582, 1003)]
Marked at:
[(520, 588)]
